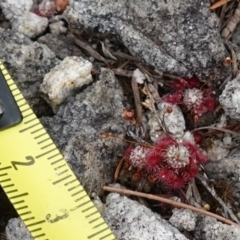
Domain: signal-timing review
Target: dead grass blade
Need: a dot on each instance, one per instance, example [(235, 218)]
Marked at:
[(125, 56), (171, 202), (118, 169), (122, 72), (90, 50), (154, 93), (234, 63), (212, 191), (137, 100), (106, 52), (219, 4), (218, 129)]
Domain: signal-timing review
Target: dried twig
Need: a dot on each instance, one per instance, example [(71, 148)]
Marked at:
[(233, 22), (222, 15), (143, 69), (217, 128), (3, 236), (154, 93), (137, 100), (220, 201), (196, 193), (171, 202), (107, 52), (234, 63), (125, 56), (89, 49), (219, 4), (122, 72), (124, 65), (171, 76), (136, 138), (118, 169)]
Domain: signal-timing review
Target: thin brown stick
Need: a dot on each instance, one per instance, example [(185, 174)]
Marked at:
[(171, 202), (89, 49), (143, 69), (217, 128), (126, 56), (122, 72), (118, 169), (222, 14), (171, 76), (234, 63), (219, 4), (212, 191), (137, 100)]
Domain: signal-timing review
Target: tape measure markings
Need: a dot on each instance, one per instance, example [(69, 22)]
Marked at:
[(48, 145), (36, 223), (43, 140), (37, 229), (4, 168), (29, 120), (7, 186), (66, 184), (31, 126), (20, 208), (57, 161), (21, 201), (4, 174), (39, 135), (79, 199), (19, 195), (11, 191), (61, 166), (75, 187), (6, 180), (31, 114), (28, 219)]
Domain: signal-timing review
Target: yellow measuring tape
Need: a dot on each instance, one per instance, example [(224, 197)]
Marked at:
[(39, 183)]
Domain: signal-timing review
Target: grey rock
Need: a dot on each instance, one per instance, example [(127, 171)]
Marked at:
[(210, 229), (71, 74), (183, 219), (57, 27), (154, 127), (129, 220), (229, 167), (230, 98), (61, 45), (16, 230), (77, 126), (30, 24), (174, 121), (180, 37), (11, 8), (27, 63)]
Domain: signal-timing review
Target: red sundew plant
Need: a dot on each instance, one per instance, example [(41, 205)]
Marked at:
[(188, 93), (170, 161), (47, 8)]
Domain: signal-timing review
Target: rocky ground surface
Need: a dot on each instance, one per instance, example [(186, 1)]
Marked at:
[(135, 70)]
